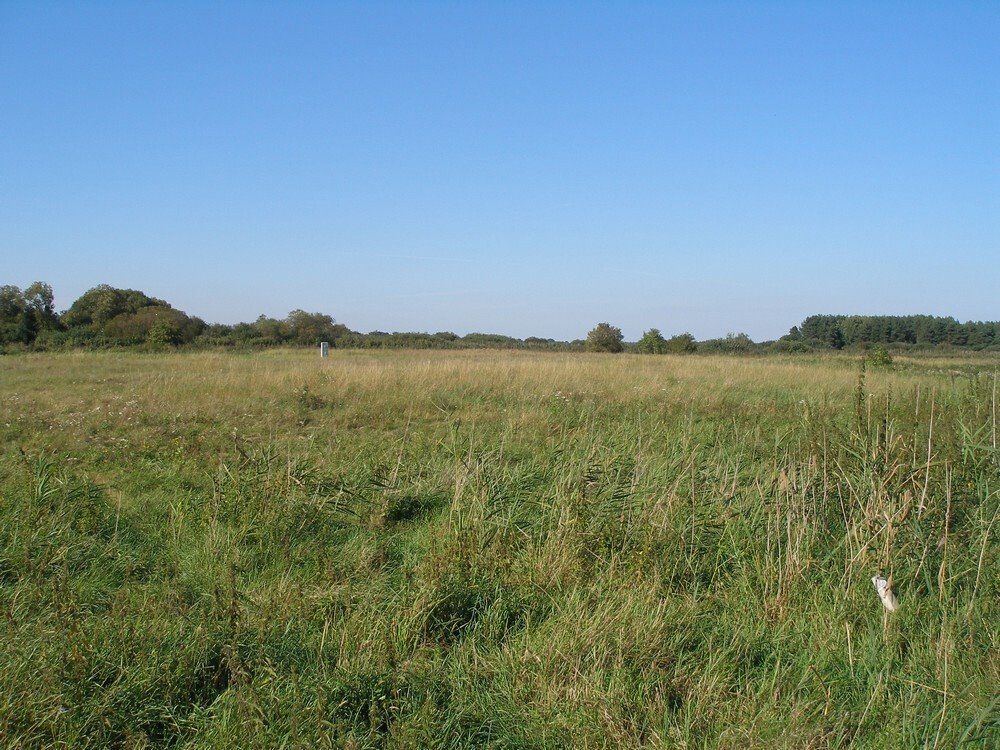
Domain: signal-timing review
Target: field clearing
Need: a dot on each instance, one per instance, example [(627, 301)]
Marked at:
[(497, 549)]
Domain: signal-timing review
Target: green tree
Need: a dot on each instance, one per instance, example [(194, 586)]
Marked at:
[(652, 342), (605, 337), (733, 343), (173, 326), (40, 299), (311, 328), (99, 305), (270, 330), (11, 310), (28, 328), (11, 303), (825, 329)]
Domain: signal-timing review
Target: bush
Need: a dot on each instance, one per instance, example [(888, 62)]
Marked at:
[(879, 357), (162, 334), (155, 324), (733, 343), (682, 343), (786, 345)]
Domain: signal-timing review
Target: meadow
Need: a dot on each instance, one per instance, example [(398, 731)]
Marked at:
[(497, 549)]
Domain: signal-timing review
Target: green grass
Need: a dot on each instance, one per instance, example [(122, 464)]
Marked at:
[(496, 549)]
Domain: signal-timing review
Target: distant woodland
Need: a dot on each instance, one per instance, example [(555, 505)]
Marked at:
[(109, 317)]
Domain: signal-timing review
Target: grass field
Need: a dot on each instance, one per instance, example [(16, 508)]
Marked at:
[(497, 549)]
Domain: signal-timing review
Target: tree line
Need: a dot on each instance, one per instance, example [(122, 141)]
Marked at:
[(107, 317), (840, 331)]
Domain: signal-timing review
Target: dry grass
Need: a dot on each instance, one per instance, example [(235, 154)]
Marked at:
[(496, 549)]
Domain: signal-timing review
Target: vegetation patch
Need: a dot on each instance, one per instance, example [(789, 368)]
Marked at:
[(533, 550)]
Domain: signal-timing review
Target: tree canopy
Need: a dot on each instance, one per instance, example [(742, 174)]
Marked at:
[(25, 314), (652, 342), (605, 337), (838, 331), (99, 305)]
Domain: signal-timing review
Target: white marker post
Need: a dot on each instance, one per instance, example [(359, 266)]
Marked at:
[(885, 593), (324, 348)]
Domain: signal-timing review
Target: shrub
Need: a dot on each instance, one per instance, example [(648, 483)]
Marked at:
[(879, 357), (682, 343), (733, 343), (162, 334)]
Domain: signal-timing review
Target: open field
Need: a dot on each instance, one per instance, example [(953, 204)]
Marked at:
[(497, 549)]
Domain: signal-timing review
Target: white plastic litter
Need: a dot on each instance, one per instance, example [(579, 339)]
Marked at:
[(889, 600)]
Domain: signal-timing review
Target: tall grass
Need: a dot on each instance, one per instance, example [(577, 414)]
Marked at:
[(510, 550)]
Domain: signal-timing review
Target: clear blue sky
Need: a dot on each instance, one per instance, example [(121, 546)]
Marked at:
[(521, 168)]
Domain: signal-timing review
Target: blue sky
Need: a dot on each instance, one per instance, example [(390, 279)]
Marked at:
[(520, 168)]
